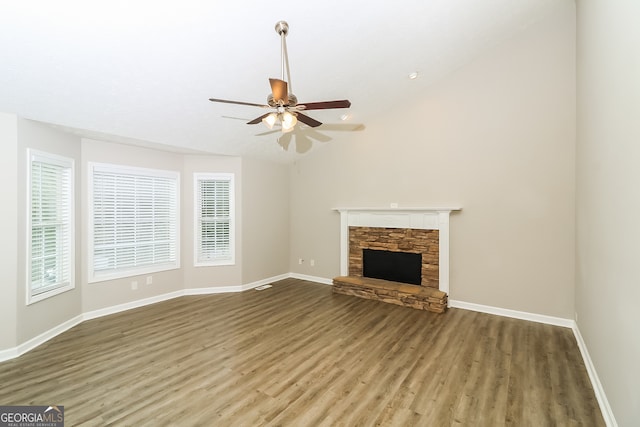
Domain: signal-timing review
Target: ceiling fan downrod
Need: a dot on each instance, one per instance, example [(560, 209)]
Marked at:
[(281, 98), (282, 28)]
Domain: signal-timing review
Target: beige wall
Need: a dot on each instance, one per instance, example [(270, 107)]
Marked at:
[(109, 293), (267, 229), (265, 220), (8, 230), (608, 197), (205, 277), (497, 138), (35, 319)]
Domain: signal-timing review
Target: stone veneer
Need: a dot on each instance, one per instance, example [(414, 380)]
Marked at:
[(419, 297), (425, 242)]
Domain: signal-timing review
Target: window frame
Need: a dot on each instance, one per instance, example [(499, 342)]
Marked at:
[(218, 176), (32, 297), (97, 276)]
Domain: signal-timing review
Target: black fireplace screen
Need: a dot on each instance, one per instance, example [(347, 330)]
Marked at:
[(402, 267)]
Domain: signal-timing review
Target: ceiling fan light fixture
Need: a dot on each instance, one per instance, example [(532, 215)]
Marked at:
[(286, 129), (270, 120), (283, 101), (288, 120)]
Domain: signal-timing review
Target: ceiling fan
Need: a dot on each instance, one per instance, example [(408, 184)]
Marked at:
[(284, 104)]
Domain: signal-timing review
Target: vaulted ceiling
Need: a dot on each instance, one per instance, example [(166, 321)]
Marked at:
[(142, 71)]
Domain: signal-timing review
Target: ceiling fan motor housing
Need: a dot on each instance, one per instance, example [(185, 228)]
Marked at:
[(282, 100), (271, 102)]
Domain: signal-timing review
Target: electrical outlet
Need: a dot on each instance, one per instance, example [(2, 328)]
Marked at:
[(134, 285), (312, 262), (300, 261), (149, 280)]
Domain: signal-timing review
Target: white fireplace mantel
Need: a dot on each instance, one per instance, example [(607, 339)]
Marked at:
[(426, 218)]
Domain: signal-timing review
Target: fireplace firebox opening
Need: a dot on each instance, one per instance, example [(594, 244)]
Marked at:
[(405, 267)]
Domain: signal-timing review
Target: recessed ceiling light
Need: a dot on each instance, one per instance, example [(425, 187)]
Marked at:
[(413, 75), (345, 117)]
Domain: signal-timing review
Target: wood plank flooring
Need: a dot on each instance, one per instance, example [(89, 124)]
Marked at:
[(298, 355)]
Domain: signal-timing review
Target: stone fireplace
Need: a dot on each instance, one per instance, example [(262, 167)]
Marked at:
[(409, 240), (423, 231)]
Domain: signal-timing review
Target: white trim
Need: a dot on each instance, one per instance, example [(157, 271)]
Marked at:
[(605, 408), (13, 352), (427, 218), (598, 390), (65, 162), (34, 342), (32, 299), (234, 288), (607, 413), (315, 279), (129, 305), (213, 290), (205, 176), (46, 336), (523, 315), (100, 276), (266, 281), (407, 209), (8, 354)]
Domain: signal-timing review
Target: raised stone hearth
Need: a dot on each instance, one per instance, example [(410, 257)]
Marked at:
[(419, 297)]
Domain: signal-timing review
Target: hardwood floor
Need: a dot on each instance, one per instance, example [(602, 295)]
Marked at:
[(298, 355)]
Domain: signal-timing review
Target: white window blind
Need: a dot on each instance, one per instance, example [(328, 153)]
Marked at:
[(134, 221), (214, 212), (51, 225)]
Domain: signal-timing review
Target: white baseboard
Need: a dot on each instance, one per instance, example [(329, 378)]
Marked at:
[(238, 288), (40, 339), (130, 305), (266, 281), (8, 354), (213, 290), (12, 353), (533, 317), (316, 279), (605, 408)]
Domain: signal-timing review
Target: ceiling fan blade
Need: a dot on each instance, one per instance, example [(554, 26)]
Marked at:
[(226, 101), (258, 119), (308, 120), (280, 90), (344, 103)]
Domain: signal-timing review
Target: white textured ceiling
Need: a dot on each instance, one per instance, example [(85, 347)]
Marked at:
[(133, 71)]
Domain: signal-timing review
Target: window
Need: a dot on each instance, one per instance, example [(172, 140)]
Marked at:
[(134, 221), (50, 242), (214, 213)]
